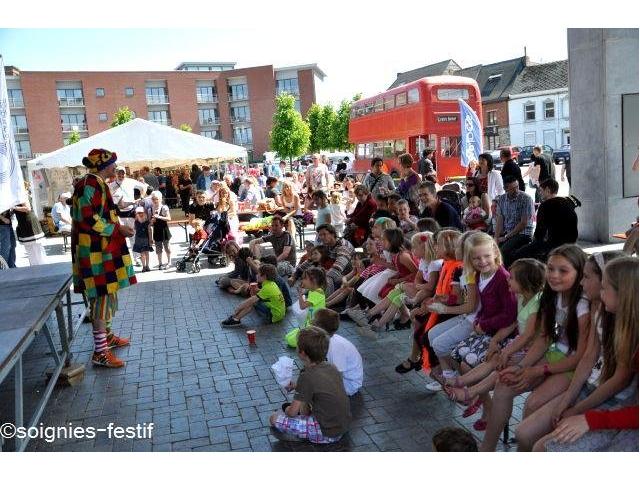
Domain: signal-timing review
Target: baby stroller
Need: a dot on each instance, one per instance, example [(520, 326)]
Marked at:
[(218, 229)]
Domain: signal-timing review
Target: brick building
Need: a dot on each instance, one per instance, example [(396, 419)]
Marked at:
[(216, 99)]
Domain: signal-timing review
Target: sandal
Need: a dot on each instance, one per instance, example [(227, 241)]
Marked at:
[(473, 408), (452, 394), (417, 366)]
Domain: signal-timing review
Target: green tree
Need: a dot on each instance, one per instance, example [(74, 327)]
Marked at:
[(185, 127), (341, 127), (325, 128), (313, 120), (74, 137), (290, 133), (123, 115)]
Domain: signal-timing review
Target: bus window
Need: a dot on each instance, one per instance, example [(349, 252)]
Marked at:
[(352, 114), (361, 150), (413, 95), (401, 99), (377, 149), (453, 94), (450, 146), (379, 106), (368, 108), (401, 147), (368, 150), (389, 103), (388, 149)]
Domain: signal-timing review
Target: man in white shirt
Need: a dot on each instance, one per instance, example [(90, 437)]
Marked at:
[(317, 175), (342, 353), (61, 213), (123, 193)]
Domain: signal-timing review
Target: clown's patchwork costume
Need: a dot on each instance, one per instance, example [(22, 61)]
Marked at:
[(101, 261)]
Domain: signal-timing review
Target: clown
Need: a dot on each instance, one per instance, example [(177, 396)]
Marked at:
[(101, 261)]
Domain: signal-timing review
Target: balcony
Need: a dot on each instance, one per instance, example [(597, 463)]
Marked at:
[(74, 127), (16, 103), (209, 122), (243, 142), (21, 130), (24, 156), (207, 98), (240, 119), (295, 93), (71, 102), (161, 122), (157, 99), (238, 98)]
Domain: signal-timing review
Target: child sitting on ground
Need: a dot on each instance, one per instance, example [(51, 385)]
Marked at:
[(268, 302), (342, 353), (474, 217), (281, 282), (314, 280), (237, 282), (320, 411)]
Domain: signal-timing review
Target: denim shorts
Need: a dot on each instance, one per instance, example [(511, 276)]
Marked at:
[(263, 310)]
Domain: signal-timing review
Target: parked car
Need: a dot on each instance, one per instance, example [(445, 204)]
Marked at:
[(497, 162), (495, 154), (524, 157), (562, 154)]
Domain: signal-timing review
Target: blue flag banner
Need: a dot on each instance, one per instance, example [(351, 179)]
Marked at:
[(471, 132), (11, 185)]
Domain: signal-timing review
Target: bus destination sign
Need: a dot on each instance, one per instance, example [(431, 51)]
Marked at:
[(447, 118)]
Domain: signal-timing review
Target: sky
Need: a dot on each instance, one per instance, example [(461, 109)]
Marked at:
[(361, 46)]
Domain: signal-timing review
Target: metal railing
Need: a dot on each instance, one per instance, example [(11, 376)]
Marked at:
[(157, 99), (21, 130), (240, 119), (71, 102), (16, 103), (295, 93), (24, 156), (242, 143), (209, 121), (206, 98), (238, 98), (74, 127), (161, 122)]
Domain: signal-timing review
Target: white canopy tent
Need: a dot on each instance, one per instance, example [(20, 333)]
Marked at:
[(137, 143)]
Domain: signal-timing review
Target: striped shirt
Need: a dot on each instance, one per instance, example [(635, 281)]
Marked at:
[(513, 210)]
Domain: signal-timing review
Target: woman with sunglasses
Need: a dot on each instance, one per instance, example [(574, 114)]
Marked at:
[(473, 190)]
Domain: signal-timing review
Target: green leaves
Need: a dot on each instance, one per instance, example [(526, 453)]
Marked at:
[(123, 115), (290, 134), (185, 127), (74, 137)]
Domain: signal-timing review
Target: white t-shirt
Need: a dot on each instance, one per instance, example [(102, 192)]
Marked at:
[(582, 308), (125, 190), (338, 216), (346, 358), (427, 268)]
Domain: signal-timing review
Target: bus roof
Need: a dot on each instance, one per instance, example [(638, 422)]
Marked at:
[(446, 80)]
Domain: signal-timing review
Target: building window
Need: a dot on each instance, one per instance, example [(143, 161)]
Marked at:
[(24, 149), (70, 96), (156, 95), (238, 92), (413, 95), (128, 92), (401, 99), (99, 92), (102, 117), (73, 122), (549, 109), (565, 107), (19, 124), (160, 116), (208, 116), (529, 138), (529, 113), (242, 135), (492, 117), (297, 105), (206, 94), (240, 114), (210, 134), (15, 98), (287, 85)]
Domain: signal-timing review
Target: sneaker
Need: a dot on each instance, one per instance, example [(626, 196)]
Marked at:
[(434, 386), (231, 323), (106, 359), (113, 341)]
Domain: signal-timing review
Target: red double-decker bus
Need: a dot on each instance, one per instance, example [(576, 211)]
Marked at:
[(412, 117)]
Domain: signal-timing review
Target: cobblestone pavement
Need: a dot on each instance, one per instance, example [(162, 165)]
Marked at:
[(205, 389)]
